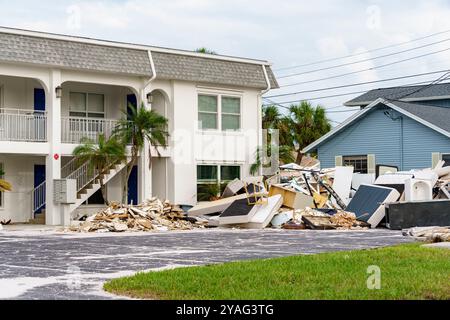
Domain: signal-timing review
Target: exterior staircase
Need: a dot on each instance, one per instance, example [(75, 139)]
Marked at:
[(88, 182)]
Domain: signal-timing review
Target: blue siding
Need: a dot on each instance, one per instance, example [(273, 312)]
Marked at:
[(377, 134)]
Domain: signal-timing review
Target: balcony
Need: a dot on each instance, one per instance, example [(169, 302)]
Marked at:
[(23, 125), (74, 130)]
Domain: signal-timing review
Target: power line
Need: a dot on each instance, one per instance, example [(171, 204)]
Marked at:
[(356, 84), (369, 69), (358, 54), (326, 109), (364, 60), (344, 94)]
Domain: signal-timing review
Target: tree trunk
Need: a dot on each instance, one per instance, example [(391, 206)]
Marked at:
[(127, 176), (299, 157)]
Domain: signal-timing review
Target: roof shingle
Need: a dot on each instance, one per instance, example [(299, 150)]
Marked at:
[(411, 93), (118, 59)]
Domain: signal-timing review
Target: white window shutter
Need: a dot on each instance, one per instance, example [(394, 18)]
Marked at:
[(338, 161), (435, 158), (371, 164)]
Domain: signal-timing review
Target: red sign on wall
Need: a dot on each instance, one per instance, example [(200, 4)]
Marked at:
[(56, 156)]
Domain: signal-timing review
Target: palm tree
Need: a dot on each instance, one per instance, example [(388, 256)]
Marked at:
[(4, 185), (271, 117), (205, 50), (306, 124), (101, 156), (141, 125)]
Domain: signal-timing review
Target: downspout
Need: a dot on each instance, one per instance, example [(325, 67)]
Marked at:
[(263, 92), (153, 77)]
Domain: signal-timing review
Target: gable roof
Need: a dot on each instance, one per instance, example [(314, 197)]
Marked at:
[(436, 118), (69, 52), (434, 92)]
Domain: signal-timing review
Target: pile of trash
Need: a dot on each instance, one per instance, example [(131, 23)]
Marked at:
[(152, 214), (299, 197), (429, 234)]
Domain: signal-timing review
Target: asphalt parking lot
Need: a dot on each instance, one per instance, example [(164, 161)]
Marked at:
[(74, 266)]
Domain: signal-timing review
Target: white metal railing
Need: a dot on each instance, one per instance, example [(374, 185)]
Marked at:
[(74, 129), (23, 125), (84, 175), (69, 167), (38, 197)]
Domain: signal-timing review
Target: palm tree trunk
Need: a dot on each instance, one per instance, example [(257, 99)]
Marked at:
[(127, 176), (299, 157)]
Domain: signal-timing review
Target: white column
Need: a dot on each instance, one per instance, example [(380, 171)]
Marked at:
[(144, 173), (53, 211)]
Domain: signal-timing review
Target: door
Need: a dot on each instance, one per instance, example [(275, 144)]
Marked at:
[(39, 99), (39, 121), (133, 186), (131, 99), (39, 177)]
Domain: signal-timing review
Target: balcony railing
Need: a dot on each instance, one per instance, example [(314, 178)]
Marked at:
[(73, 129), (23, 125)]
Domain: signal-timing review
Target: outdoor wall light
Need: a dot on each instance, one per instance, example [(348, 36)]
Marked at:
[(149, 98), (58, 92)]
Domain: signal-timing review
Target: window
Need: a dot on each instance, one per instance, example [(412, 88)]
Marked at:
[(212, 179), (207, 112), (209, 108), (87, 105), (231, 113), (446, 159), (359, 163)]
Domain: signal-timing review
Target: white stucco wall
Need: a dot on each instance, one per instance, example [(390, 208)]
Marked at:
[(19, 171), (188, 146)]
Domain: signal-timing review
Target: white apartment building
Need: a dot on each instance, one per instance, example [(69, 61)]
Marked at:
[(56, 89)]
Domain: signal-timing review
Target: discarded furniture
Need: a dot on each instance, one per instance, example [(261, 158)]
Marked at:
[(368, 203), (291, 198), (238, 212), (264, 213), (403, 215), (211, 207), (342, 183)]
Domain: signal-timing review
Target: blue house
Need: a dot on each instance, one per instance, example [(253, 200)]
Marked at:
[(408, 127)]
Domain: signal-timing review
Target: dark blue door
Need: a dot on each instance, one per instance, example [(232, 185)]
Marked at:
[(131, 99), (39, 177), (133, 186), (39, 99)]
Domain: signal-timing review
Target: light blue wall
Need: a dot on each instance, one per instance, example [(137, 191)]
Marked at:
[(377, 134)]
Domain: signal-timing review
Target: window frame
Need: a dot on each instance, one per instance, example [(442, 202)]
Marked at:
[(219, 180), (2, 194), (87, 111), (219, 96), (446, 155), (355, 158), (217, 113)]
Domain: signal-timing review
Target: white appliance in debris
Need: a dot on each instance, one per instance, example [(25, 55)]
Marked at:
[(418, 190)]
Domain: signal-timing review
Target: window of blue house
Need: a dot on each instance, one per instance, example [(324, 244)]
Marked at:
[(446, 159), (359, 163)]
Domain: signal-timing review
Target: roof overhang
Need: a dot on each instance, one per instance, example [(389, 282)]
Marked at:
[(367, 109)]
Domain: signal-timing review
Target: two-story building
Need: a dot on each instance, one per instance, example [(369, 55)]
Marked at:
[(56, 89), (407, 127)]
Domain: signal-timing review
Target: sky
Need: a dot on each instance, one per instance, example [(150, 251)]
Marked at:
[(285, 32)]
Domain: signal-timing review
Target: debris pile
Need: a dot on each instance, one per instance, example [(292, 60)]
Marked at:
[(300, 197), (152, 214), (429, 234)]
